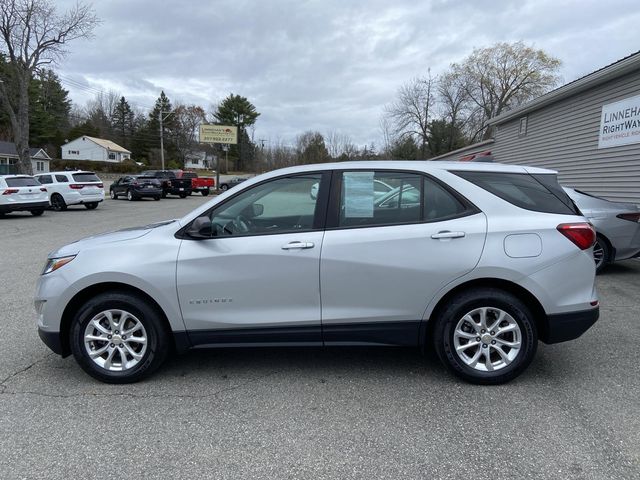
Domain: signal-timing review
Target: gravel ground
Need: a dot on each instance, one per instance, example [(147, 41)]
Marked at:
[(313, 413)]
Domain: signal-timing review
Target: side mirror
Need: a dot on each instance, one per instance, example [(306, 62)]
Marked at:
[(257, 209), (200, 228)]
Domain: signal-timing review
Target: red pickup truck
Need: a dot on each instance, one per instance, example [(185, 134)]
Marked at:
[(204, 185)]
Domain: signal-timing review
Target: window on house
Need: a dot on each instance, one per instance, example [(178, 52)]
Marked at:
[(40, 166), (523, 127), (112, 156)]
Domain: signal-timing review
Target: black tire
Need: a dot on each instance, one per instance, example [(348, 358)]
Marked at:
[(205, 192), (183, 195), (113, 194), (189, 194), (224, 187), (157, 346), (37, 213), (91, 206), (464, 303), (164, 194), (58, 203), (601, 253), (156, 198), (130, 196)]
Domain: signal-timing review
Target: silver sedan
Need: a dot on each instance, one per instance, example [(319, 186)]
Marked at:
[(617, 225)]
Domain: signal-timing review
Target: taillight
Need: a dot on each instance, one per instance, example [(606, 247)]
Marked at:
[(42, 189), (76, 186), (583, 235), (632, 217), (9, 191), (100, 185)]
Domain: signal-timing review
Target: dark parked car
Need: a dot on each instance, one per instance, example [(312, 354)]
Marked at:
[(171, 184), (231, 183), (136, 186)]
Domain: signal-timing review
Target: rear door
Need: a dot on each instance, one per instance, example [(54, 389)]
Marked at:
[(385, 257)]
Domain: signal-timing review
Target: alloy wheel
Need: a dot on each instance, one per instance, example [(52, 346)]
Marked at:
[(598, 253), (487, 339), (115, 340)]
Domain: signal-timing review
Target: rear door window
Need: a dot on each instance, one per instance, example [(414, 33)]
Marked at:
[(45, 179), (540, 193)]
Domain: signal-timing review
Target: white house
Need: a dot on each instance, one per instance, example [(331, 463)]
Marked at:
[(95, 149), (200, 159), (9, 157)]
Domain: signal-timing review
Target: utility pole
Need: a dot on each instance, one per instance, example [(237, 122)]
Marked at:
[(162, 118)]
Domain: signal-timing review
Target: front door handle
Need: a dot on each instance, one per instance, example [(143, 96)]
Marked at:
[(446, 234), (297, 245)]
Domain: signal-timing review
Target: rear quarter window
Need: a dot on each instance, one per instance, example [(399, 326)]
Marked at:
[(540, 193)]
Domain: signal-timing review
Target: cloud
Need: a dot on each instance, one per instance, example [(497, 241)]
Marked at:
[(323, 65)]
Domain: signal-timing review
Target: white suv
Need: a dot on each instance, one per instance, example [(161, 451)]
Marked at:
[(477, 260), (72, 188), (22, 193)]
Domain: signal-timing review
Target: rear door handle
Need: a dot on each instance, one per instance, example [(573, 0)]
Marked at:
[(447, 234), (297, 245)]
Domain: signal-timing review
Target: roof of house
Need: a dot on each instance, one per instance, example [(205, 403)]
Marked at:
[(623, 66), (108, 144), (9, 148)]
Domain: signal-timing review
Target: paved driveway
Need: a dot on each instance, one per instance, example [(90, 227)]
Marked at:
[(293, 413)]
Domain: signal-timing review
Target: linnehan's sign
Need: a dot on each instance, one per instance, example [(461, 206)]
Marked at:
[(620, 123)]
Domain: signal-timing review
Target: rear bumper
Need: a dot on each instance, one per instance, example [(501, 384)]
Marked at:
[(15, 207), (153, 192), (568, 326)]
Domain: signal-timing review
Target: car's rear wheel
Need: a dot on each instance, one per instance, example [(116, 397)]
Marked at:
[(486, 336), (91, 205), (164, 194), (37, 213), (205, 192), (118, 338), (58, 203), (183, 195), (224, 187), (156, 198), (113, 194), (601, 253), (130, 196)]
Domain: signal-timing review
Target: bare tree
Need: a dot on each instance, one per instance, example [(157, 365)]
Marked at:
[(411, 112), (99, 111), (453, 101), (504, 76), (33, 34), (340, 146), (187, 122)]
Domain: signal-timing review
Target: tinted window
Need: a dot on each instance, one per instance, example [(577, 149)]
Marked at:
[(440, 203), (85, 177), (189, 175), (22, 182), (279, 206), (62, 178), (45, 179), (540, 193)]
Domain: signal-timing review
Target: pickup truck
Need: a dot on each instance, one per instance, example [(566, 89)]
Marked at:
[(204, 185), (171, 184)]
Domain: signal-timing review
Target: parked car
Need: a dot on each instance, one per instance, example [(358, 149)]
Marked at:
[(617, 226), (226, 185), (72, 188), (202, 185), (485, 261), (134, 187), (171, 185), (22, 193), (379, 189)]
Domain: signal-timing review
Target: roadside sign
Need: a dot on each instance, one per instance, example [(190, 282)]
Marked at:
[(218, 134)]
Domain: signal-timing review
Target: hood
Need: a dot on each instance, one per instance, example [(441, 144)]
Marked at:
[(109, 237)]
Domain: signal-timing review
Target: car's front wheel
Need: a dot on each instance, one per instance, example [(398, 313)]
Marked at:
[(118, 338), (37, 213), (486, 336), (130, 196), (205, 192), (113, 194)]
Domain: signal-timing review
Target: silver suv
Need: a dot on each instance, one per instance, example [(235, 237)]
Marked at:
[(479, 261)]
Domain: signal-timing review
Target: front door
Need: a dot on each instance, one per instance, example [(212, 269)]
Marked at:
[(385, 256), (256, 279)]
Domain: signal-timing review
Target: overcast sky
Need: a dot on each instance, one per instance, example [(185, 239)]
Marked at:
[(323, 65)]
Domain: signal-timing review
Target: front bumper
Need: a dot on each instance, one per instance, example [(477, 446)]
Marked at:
[(562, 327), (27, 206)]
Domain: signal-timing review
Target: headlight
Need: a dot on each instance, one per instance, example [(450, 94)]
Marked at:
[(54, 264)]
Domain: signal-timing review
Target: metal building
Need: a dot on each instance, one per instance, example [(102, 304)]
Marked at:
[(588, 130)]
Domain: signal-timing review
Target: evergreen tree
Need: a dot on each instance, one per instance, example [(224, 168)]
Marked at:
[(122, 121), (237, 110)]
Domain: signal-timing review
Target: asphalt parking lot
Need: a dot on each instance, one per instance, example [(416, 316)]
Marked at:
[(294, 413)]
